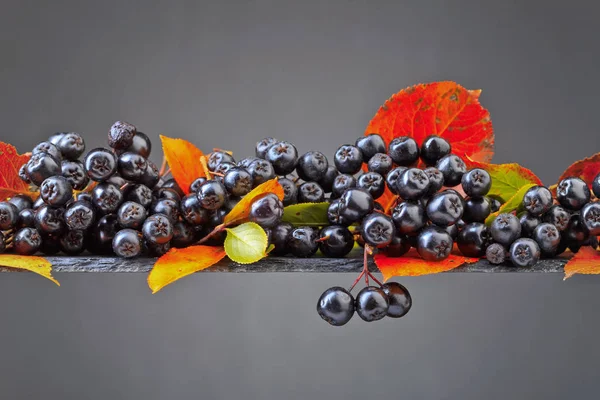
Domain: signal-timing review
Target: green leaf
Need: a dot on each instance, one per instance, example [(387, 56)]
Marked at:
[(306, 214), (512, 204), (507, 179), (246, 243)]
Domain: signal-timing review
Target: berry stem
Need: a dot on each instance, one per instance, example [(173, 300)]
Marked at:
[(167, 172), (357, 280), (323, 239), (163, 167), (218, 229)]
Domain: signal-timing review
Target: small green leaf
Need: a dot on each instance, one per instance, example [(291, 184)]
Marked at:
[(512, 204), (507, 179), (306, 214), (246, 243)]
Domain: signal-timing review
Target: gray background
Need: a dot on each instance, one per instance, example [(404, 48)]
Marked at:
[(314, 72)]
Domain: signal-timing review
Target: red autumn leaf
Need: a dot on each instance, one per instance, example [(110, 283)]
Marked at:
[(242, 209), (178, 263), (184, 160), (411, 264), (445, 109), (586, 169), (10, 163), (586, 261)]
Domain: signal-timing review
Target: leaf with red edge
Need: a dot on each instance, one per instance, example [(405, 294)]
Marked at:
[(242, 209), (445, 109), (586, 169), (184, 160), (178, 263), (10, 163), (411, 264), (586, 261), (387, 200), (507, 179)]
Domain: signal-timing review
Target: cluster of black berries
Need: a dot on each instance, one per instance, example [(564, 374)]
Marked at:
[(548, 226), (337, 306)]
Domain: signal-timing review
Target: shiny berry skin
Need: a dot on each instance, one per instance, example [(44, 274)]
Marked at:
[(238, 181), (547, 237), (505, 229), (266, 210), (245, 162), (312, 166), (279, 236), (26, 219), (49, 219), (399, 299), (354, 205), (436, 180), (167, 207), (218, 157), (433, 149), (336, 306), (80, 215), (371, 182), (596, 186), (141, 145), (120, 135), (42, 166), (573, 193), (476, 183), (372, 304), (23, 174), (370, 145), (326, 182), (528, 223), (263, 145), (56, 191), (71, 145), (166, 193), (477, 209), (378, 230), (127, 243), (131, 215), (54, 139), (339, 242), (558, 217), (49, 148), (195, 186), (524, 252), (84, 197), (107, 197), (302, 241), (290, 191), (453, 168), (283, 156), (212, 195), (310, 192), (157, 250), (409, 217), (473, 239), (173, 185), (27, 241), (412, 184), (72, 242), (131, 166), (138, 193), (348, 159), (576, 232), (261, 171), (434, 244), (184, 235), (380, 163), (452, 230), (537, 200), (590, 215), (342, 183), (445, 208), (333, 214), (102, 234), (100, 164), (151, 176), (398, 247), (230, 203), (391, 179), (404, 151), (192, 210), (495, 204), (495, 253), (75, 173), (223, 168), (157, 229), (9, 215)]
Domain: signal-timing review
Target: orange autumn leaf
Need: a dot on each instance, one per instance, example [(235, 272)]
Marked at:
[(586, 261), (445, 109), (242, 209), (411, 264), (387, 200), (10, 163), (586, 169), (178, 263), (184, 160), (39, 265)]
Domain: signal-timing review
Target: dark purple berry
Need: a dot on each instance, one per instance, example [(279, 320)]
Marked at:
[(120, 135), (157, 229), (477, 209), (404, 151), (127, 243), (283, 156), (341, 183), (590, 215), (141, 145), (371, 182), (399, 299), (290, 191), (473, 240), (279, 236), (42, 166), (266, 210), (56, 191), (548, 238), (537, 200), (131, 215), (80, 215), (263, 145), (72, 242), (195, 186), (312, 166), (9, 215), (302, 241), (445, 208), (409, 217), (433, 149), (524, 253), (261, 171), (558, 217), (370, 145), (107, 197), (434, 244), (372, 304), (380, 163), (354, 205), (48, 148), (50, 219), (310, 192), (184, 235), (75, 173), (212, 195), (336, 241), (348, 159), (528, 223), (192, 210), (505, 229), (100, 164), (495, 253), (453, 168), (326, 182), (71, 145), (476, 183), (377, 230), (132, 166), (412, 184), (336, 306), (436, 180), (573, 193), (392, 177), (238, 182), (218, 157), (27, 241)]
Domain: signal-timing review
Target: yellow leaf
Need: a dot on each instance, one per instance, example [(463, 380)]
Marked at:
[(184, 160), (246, 243), (242, 209), (178, 263), (39, 265)]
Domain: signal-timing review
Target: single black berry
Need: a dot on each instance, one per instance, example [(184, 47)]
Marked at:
[(380, 163), (399, 246), (184, 235), (336, 306), (138, 193), (537, 200), (72, 242), (354, 205), (71, 145), (477, 209), (107, 197), (445, 208), (412, 184), (528, 223), (283, 156), (404, 151), (590, 215), (279, 236), (157, 229), (334, 215), (312, 166), (100, 164), (120, 135), (192, 210), (167, 207), (495, 253), (266, 210), (27, 241), (336, 241), (524, 252), (74, 172), (558, 217), (409, 217), (218, 157), (238, 181), (576, 233), (505, 229), (342, 183), (302, 241), (399, 299), (392, 177), (436, 180), (102, 234), (573, 193), (9, 215), (212, 195), (50, 219), (141, 145), (127, 243), (56, 191), (372, 304), (434, 244), (473, 239), (326, 182), (370, 145), (26, 219), (132, 166), (151, 176), (263, 145), (290, 191), (348, 159), (41, 166), (80, 215), (453, 168), (495, 204), (433, 149), (195, 186), (596, 186), (166, 193), (49, 148), (310, 192), (261, 171), (548, 238), (131, 215), (476, 183)]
